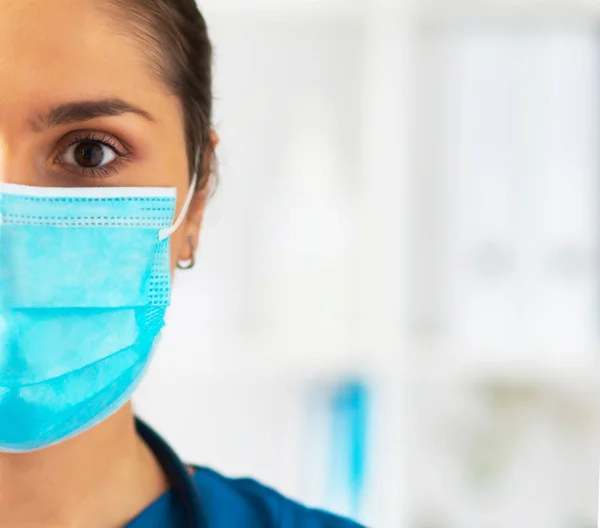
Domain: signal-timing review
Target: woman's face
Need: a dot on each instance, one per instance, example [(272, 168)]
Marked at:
[(79, 107)]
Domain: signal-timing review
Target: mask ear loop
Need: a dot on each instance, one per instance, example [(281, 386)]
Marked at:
[(168, 231)]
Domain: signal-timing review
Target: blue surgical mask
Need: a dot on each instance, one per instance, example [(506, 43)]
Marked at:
[(84, 284)]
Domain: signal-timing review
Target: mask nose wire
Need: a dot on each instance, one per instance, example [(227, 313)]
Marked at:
[(168, 231)]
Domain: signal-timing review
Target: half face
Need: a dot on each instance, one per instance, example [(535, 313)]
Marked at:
[(79, 106)]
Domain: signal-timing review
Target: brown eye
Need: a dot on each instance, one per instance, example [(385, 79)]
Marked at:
[(89, 154)]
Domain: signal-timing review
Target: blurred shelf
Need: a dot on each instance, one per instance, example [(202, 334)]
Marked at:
[(263, 365), (236, 10), (256, 359), (432, 11), (530, 12), (573, 375)]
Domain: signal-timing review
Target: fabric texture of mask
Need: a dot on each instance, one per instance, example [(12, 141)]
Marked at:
[(84, 285)]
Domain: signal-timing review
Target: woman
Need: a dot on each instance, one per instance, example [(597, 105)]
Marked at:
[(106, 151)]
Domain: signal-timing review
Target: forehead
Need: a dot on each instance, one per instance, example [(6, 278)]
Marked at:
[(56, 50)]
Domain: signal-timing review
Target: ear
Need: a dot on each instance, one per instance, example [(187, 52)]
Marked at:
[(193, 223), (195, 214), (215, 139)]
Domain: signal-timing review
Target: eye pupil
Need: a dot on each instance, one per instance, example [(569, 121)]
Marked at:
[(88, 154)]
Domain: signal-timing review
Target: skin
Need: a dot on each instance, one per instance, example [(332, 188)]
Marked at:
[(51, 54)]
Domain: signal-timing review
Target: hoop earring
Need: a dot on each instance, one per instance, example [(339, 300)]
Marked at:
[(188, 264)]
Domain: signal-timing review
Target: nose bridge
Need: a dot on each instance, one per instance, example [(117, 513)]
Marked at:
[(15, 164)]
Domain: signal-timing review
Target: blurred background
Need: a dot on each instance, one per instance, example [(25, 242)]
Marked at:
[(395, 312)]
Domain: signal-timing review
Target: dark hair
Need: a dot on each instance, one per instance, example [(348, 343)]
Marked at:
[(174, 37)]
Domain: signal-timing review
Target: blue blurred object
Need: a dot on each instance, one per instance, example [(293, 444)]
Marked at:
[(350, 416)]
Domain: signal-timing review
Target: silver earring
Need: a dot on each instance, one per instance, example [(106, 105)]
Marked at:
[(188, 264)]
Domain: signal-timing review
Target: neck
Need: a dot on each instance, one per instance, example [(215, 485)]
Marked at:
[(101, 478)]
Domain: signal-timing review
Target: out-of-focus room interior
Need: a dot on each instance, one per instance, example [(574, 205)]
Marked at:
[(395, 310)]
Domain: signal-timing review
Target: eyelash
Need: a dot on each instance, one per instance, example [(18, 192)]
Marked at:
[(99, 137)]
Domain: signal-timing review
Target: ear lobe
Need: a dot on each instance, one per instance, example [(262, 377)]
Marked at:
[(187, 252)]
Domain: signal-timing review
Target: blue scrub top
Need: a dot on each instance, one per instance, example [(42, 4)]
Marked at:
[(239, 503)]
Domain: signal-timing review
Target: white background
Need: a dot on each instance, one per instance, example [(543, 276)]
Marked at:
[(408, 195)]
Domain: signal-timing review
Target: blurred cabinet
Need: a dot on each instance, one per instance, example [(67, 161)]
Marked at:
[(276, 266), (280, 307), (518, 171), (508, 156), (480, 182), (408, 191)]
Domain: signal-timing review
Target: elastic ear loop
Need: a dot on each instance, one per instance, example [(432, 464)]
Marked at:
[(168, 231)]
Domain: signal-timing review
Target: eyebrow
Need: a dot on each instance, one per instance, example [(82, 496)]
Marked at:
[(78, 111)]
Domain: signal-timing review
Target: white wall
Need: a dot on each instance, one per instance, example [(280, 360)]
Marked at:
[(408, 196)]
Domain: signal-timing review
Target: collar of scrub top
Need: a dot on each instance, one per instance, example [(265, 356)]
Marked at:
[(181, 481)]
